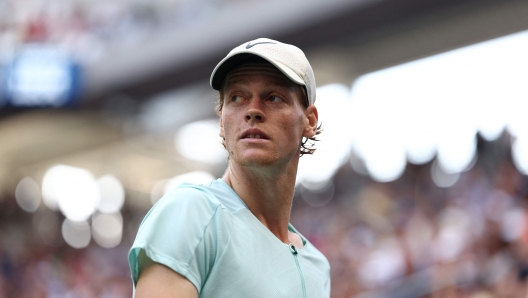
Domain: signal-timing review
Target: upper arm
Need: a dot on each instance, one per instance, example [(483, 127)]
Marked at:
[(174, 233), (156, 280), (179, 238)]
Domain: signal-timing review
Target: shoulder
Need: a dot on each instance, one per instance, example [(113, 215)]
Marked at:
[(210, 196), (187, 207), (189, 196)]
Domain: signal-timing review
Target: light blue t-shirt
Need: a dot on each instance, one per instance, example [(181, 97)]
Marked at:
[(207, 234)]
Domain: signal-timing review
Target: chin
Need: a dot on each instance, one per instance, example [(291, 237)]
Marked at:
[(256, 161), (261, 159)]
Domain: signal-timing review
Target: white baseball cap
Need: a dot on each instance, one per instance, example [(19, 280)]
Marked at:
[(289, 59)]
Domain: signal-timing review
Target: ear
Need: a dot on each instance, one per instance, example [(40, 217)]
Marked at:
[(311, 125), (221, 133)]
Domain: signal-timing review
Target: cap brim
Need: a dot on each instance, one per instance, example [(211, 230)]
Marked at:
[(231, 62)]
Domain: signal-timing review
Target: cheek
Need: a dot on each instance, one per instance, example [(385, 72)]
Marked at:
[(294, 127), (226, 128), (300, 119)]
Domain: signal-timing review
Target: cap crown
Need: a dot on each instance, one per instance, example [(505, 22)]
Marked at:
[(289, 59)]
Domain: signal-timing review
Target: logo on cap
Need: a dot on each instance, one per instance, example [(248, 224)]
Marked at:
[(249, 45)]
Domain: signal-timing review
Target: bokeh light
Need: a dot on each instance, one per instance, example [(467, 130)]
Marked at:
[(199, 141), (318, 194), (442, 178), (376, 122), (437, 105), (163, 186), (517, 101), (357, 163), (76, 233), (385, 158), (27, 194), (456, 155), (112, 194), (333, 106), (74, 190), (50, 184), (520, 153), (107, 229), (196, 177), (157, 191)]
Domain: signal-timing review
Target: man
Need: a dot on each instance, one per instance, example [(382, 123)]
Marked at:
[(232, 237)]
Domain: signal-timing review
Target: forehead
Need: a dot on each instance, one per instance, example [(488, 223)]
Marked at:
[(258, 72)]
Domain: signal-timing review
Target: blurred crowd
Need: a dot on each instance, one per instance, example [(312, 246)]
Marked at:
[(29, 268), (86, 28), (410, 238), (407, 238)]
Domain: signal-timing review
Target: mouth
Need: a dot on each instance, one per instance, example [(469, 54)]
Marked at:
[(254, 134), (257, 136)]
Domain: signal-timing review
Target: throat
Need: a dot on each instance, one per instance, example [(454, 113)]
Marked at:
[(268, 194)]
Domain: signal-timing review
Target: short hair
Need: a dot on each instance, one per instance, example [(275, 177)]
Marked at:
[(307, 145)]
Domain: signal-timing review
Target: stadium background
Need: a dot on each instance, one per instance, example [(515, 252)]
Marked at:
[(419, 187)]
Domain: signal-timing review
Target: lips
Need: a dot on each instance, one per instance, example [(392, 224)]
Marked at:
[(254, 133)]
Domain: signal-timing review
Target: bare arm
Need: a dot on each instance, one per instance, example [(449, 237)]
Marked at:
[(156, 280)]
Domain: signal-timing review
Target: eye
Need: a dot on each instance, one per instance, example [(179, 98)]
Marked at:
[(275, 98), (236, 98)]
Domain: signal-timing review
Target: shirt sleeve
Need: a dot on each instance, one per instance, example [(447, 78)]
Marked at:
[(176, 232)]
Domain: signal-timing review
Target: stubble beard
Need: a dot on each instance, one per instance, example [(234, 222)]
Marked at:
[(261, 160)]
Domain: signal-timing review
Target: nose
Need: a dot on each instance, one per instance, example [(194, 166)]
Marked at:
[(254, 111)]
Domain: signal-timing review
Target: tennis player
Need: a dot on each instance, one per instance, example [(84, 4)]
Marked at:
[(232, 237)]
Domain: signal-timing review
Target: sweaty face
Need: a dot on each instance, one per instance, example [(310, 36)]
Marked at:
[(262, 119)]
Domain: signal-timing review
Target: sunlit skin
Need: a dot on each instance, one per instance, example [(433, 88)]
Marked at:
[(262, 122)]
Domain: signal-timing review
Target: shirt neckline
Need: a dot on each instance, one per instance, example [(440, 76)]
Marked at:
[(291, 228)]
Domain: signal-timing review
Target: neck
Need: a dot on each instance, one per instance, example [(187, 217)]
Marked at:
[(268, 193)]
